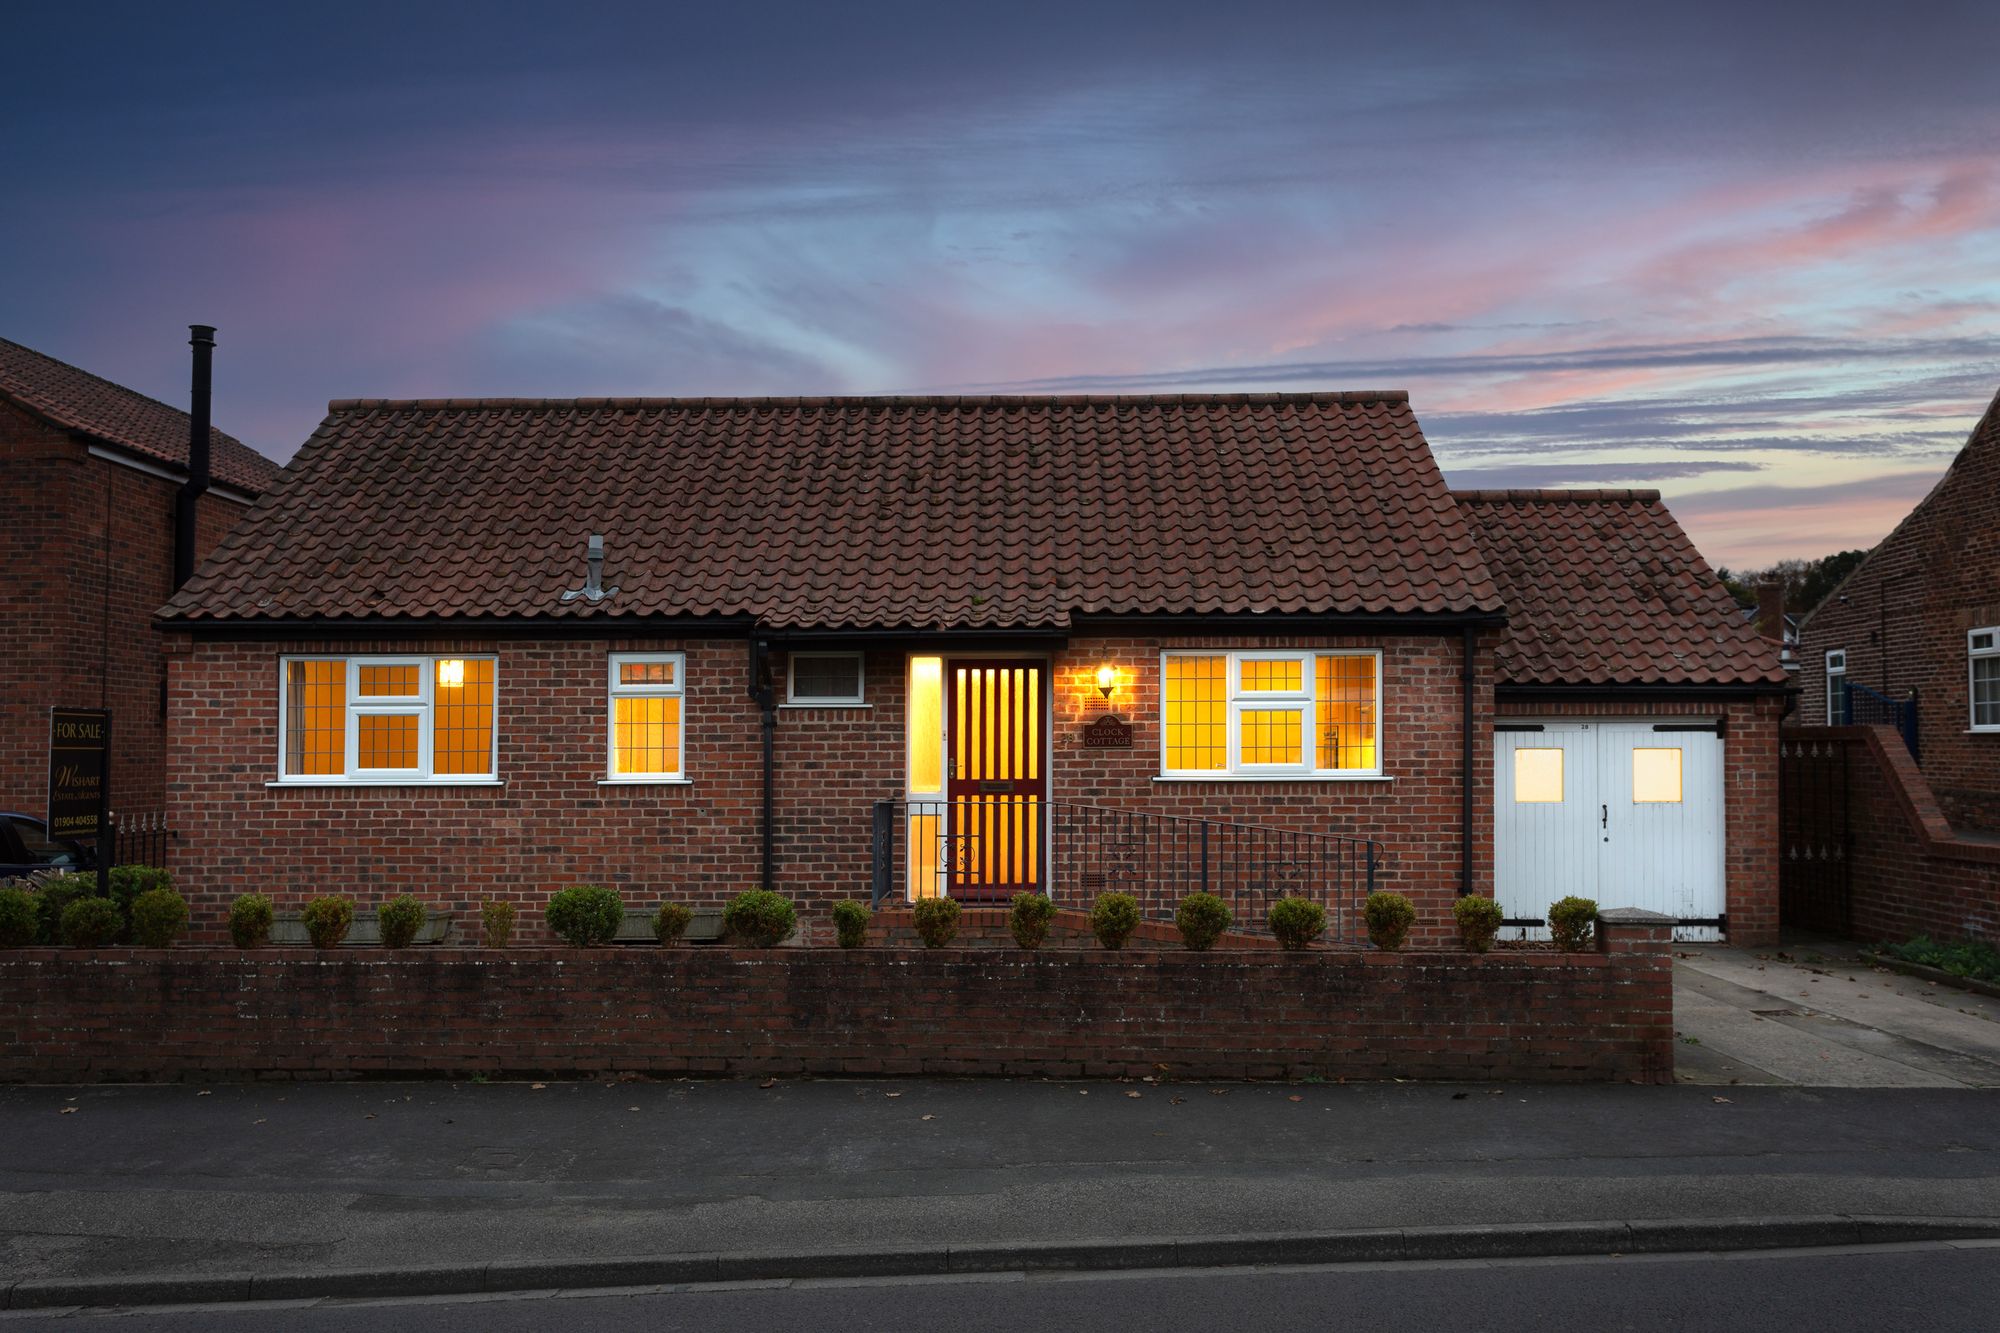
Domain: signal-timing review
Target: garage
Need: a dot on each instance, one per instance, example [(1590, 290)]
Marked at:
[(1629, 813)]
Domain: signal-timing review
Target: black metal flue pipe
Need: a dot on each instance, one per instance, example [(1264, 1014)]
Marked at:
[(201, 337)]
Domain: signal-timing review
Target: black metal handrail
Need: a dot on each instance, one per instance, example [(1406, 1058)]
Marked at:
[(1075, 852), (1862, 706)]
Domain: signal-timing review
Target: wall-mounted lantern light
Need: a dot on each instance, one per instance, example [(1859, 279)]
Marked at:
[(1107, 679)]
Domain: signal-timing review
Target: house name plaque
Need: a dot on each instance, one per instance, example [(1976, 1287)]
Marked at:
[(1109, 732)]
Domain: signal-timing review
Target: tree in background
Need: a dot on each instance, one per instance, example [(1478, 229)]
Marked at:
[(1807, 582)]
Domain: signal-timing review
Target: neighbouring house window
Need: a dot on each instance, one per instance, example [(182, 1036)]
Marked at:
[(1836, 674), (1983, 647), (647, 693), (387, 719), (825, 678), (1270, 714)]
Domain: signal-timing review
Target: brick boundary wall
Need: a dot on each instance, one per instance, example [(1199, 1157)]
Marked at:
[(140, 1015), (989, 928), (1911, 875)]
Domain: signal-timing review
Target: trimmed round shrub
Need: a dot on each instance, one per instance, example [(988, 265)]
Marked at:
[(54, 896), (250, 918), (1297, 922), (1201, 918), (670, 923), (91, 923), (1113, 918), (936, 921), (1389, 917), (327, 920), (850, 923), (17, 918), (1028, 916), (760, 917), (585, 914), (496, 921), (1572, 923), (1478, 921), (400, 919), (159, 917), (128, 882)]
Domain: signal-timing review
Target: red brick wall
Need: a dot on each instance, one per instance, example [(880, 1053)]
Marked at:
[(188, 1013), (552, 824), (1750, 794), (88, 554), (1904, 623)]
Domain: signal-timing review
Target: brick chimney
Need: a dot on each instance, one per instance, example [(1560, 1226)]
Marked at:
[(1771, 609)]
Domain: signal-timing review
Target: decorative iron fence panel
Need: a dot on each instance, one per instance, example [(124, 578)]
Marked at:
[(139, 840), (947, 846), (1815, 851)]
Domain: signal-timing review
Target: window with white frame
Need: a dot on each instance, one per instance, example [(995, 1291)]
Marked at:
[(647, 740), (1836, 676), (824, 678), (406, 718), (1982, 648), (1270, 713)]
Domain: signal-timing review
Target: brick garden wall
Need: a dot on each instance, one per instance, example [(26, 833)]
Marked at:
[(88, 552), (552, 824), (200, 1013), (1750, 795)]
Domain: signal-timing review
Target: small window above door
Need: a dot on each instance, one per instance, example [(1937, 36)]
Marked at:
[(825, 680)]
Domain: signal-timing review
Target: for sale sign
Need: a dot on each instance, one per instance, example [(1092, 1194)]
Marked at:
[(79, 763)]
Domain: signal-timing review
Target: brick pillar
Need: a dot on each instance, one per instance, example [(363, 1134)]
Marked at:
[(1640, 944)]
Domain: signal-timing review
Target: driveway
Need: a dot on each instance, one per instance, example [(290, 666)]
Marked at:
[(1814, 1014)]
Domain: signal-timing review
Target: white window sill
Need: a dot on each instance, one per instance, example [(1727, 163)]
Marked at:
[(851, 706), (387, 782), (1274, 777), (1982, 731), (645, 782)]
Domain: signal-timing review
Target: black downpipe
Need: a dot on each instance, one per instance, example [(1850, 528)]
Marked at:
[(1466, 675), (201, 337), (765, 692)]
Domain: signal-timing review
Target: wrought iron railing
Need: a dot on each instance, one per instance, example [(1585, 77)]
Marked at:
[(1861, 706), (985, 849), (139, 840)]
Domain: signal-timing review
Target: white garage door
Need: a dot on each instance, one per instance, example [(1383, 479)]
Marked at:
[(1627, 813)]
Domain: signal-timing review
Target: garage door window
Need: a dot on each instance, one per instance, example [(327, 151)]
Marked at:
[(1656, 777), (1538, 776)]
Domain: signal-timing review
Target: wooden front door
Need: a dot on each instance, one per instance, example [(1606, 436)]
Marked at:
[(996, 713)]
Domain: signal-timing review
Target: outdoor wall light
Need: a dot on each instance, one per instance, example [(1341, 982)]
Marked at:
[(451, 672), (1107, 679)]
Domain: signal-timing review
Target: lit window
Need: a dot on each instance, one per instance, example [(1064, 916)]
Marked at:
[(1538, 775), (1656, 777), (825, 678), (1270, 714), (1983, 649), (647, 692), (390, 719)]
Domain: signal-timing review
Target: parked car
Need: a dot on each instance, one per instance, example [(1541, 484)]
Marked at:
[(26, 847)]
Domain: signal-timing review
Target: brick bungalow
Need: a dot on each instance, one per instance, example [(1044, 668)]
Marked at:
[(1920, 617), (97, 475), (417, 666)]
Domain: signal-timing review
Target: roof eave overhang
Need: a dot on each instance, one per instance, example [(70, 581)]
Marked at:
[(1636, 690)]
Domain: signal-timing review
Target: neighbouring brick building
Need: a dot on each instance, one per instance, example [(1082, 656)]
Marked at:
[(962, 645), (1922, 615), (94, 473)]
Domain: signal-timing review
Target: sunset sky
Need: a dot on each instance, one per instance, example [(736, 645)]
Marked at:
[(1750, 257)]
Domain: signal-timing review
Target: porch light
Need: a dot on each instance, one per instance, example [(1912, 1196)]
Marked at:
[(451, 672), (1107, 679)]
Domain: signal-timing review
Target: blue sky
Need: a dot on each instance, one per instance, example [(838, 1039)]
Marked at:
[(1749, 258)]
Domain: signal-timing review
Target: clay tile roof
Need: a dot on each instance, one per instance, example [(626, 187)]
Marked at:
[(842, 513), (79, 401), (1603, 588)]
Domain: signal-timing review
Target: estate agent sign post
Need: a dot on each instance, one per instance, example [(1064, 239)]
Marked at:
[(80, 782)]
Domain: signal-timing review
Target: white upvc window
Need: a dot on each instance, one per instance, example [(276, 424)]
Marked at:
[(830, 680), (1270, 713), (1982, 650), (645, 732), (394, 719), (1836, 674)]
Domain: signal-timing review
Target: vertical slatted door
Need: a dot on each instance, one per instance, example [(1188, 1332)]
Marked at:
[(999, 776)]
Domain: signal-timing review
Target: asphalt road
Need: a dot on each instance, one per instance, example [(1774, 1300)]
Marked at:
[(1935, 1289)]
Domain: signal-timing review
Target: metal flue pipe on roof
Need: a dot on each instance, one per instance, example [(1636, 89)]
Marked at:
[(201, 337)]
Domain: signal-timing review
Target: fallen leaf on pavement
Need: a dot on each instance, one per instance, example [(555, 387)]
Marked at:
[(927, 1117), (532, 1087), (256, 1122), (631, 1108), (1134, 1093), (1295, 1098), (768, 1083), (1722, 1100), (892, 1094), (68, 1110), (1218, 1092), (202, 1093), (1175, 1101)]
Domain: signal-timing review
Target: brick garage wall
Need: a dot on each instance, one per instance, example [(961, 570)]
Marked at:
[(553, 824), (1750, 734), (1910, 875), (89, 558), (1904, 623), (131, 1014)]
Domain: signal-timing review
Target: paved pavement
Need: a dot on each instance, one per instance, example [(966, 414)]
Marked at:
[(1813, 1014)]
